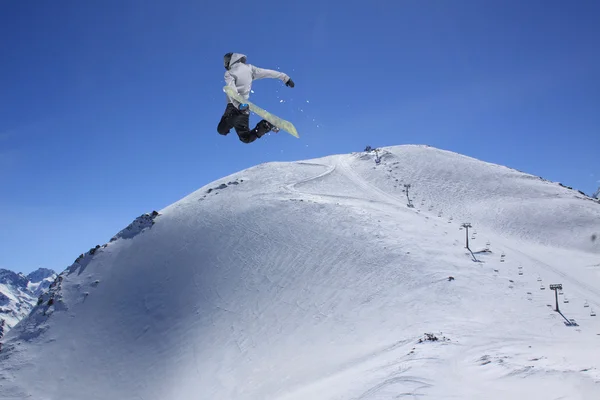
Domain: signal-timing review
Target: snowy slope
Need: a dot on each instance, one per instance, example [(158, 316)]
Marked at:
[(19, 293), (496, 197), (314, 280)]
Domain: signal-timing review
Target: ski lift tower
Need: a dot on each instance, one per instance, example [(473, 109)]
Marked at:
[(556, 288), (467, 225)]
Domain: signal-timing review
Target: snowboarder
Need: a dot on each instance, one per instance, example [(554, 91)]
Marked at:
[(239, 76)]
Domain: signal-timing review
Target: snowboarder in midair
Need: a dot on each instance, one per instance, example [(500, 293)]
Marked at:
[(239, 76)]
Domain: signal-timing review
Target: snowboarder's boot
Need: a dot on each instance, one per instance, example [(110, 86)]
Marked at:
[(271, 127)]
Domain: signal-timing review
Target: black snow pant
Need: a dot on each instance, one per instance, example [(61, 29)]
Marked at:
[(240, 121)]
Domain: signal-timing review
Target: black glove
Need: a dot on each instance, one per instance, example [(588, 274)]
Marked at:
[(290, 83)]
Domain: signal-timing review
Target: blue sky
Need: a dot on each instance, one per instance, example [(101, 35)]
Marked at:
[(108, 109)]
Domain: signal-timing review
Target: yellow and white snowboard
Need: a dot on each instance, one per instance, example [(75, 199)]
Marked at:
[(275, 120)]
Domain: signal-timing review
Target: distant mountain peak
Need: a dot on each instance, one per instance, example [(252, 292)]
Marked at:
[(40, 274), (13, 278)]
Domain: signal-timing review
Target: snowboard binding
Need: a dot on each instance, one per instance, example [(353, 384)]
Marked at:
[(270, 127)]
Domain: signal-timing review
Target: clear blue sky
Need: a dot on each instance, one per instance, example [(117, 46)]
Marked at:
[(108, 109)]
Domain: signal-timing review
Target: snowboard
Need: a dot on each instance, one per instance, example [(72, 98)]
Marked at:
[(275, 120)]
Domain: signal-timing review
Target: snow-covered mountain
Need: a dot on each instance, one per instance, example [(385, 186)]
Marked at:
[(40, 280), (19, 293), (597, 194), (324, 279)]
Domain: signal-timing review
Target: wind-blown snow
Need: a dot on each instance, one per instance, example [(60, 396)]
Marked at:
[(315, 280)]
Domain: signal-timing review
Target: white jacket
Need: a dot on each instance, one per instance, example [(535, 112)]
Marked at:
[(240, 77)]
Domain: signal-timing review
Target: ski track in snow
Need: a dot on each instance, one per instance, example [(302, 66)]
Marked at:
[(367, 186), (382, 198)]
